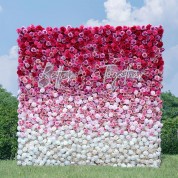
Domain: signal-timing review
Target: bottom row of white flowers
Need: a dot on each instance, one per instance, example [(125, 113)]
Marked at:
[(59, 148)]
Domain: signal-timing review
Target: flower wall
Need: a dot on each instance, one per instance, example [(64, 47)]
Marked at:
[(90, 95)]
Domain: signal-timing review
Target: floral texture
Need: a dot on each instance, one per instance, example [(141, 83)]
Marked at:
[(90, 95)]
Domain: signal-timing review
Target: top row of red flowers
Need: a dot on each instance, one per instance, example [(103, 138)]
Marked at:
[(105, 30)]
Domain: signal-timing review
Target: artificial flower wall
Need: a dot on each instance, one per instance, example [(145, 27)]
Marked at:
[(90, 95)]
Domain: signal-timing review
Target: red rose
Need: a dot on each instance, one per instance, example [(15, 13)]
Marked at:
[(143, 63), (160, 44), (79, 79), (160, 63), (160, 31), (62, 29), (19, 72), (148, 26)]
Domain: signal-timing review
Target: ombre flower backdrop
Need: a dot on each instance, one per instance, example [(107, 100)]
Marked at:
[(90, 95)]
